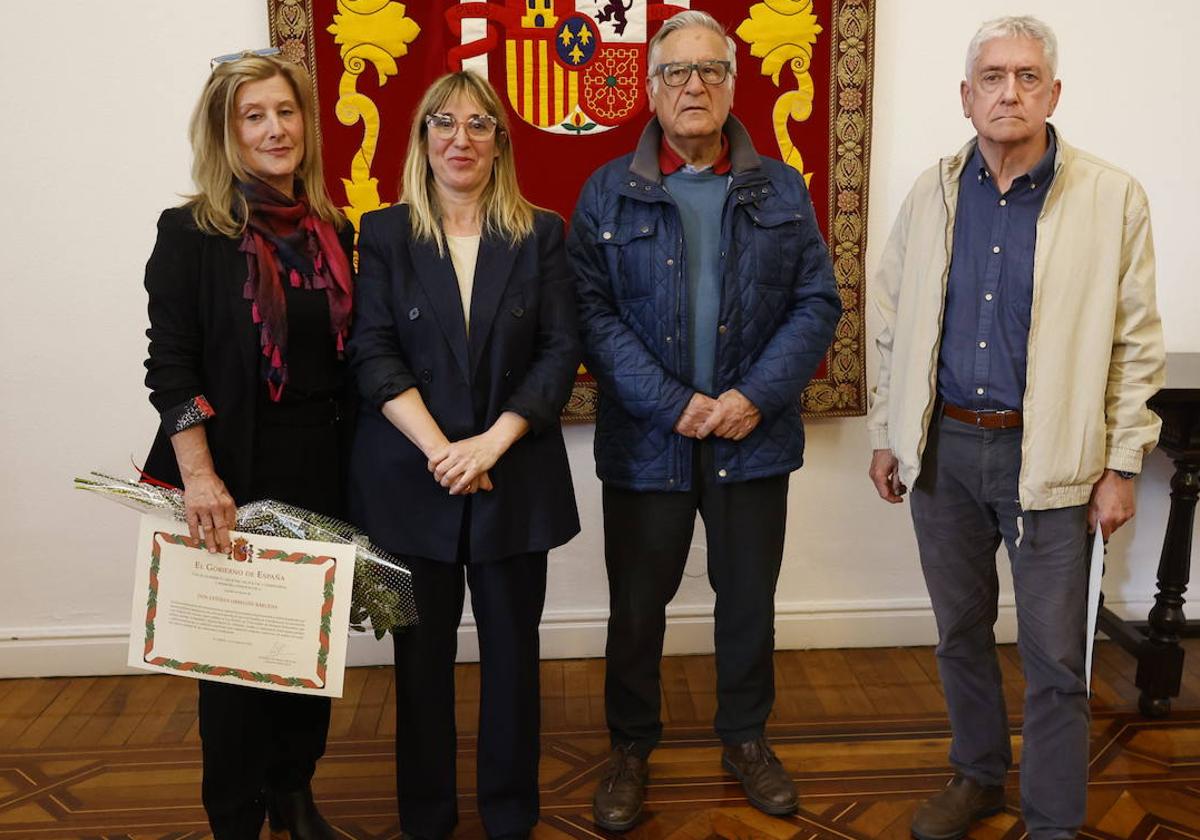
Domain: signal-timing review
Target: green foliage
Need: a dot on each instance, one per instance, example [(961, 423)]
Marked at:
[(374, 600)]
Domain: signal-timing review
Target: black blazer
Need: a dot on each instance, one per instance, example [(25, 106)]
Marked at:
[(522, 356), (203, 341)]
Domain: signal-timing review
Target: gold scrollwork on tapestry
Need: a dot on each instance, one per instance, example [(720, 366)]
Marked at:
[(843, 391), (290, 22), (783, 32), (370, 33)]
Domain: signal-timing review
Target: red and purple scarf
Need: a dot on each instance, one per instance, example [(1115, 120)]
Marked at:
[(284, 238)]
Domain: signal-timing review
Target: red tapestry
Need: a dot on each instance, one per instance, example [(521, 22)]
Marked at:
[(573, 75)]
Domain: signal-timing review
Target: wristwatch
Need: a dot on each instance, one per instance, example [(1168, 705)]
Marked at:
[(1125, 474)]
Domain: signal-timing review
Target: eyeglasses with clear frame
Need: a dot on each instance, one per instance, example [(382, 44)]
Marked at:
[(677, 73), (225, 59), (445, 126)]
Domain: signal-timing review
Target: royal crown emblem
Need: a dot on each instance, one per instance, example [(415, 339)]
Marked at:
[(571, 66)]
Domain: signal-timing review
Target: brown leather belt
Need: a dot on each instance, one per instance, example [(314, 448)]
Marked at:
[(983, 419)]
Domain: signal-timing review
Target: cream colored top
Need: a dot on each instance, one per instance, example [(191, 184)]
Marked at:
[(463, 252), (1095, 339)]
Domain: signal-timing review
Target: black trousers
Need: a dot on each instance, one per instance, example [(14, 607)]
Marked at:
[(646, 540), (253, 739), (506, 598)]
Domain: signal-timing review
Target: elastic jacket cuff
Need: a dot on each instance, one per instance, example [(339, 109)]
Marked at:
[(879, 438), (1124, 460)]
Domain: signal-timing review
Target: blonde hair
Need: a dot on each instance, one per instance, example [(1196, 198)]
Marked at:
[(505, 212), (217, 206)]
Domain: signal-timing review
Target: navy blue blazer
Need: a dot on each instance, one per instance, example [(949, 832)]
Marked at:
[(523, 351)]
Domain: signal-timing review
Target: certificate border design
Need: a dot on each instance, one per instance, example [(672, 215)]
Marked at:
[(253, 677)]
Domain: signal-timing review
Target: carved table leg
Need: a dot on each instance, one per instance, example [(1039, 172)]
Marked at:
[(1160, 660)]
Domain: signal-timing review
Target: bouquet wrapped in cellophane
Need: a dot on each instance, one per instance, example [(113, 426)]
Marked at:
[(383, 592)]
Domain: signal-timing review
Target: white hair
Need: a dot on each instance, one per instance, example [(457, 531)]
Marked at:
[(1015, 26), (683, 20)]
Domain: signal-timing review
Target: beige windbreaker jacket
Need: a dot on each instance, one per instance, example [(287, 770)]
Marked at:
[(1095, 340)]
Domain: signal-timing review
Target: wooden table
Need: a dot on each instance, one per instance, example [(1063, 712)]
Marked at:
[(1155, 642)]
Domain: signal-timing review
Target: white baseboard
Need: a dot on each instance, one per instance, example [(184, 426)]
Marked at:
[(101, 649)]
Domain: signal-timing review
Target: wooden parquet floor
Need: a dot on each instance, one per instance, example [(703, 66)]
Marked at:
[(863, 732)]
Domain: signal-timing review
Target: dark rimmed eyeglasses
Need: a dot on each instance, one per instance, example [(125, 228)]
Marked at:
[(225, 59), (677, 73), (445, 126)]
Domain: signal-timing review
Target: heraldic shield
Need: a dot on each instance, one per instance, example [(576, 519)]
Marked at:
[(571, 66)]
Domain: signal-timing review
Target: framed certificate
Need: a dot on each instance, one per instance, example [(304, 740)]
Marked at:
[(271, 614)]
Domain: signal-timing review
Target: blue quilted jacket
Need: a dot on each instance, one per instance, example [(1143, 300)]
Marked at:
[(779, 307)]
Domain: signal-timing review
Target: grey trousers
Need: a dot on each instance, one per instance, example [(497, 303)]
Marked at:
[(963, 505)]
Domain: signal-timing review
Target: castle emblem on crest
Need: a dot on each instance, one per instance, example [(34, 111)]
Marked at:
[(570, 66)]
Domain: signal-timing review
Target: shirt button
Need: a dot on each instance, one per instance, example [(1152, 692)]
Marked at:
[(721, 473), (722, 329), (979, 391), (995, 249), (645, 228), (668, 339), (607, 234), (988, 296), (670, 261), (1004, 202), (982, 345)]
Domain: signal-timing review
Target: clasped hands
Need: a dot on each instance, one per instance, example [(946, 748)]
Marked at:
[(462, 466), (729, 416)]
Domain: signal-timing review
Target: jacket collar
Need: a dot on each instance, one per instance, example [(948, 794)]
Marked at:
[(953, 165), (435, 273), (742, 155), (493, 270)]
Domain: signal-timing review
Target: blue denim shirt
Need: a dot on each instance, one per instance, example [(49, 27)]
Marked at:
[(985, 331)]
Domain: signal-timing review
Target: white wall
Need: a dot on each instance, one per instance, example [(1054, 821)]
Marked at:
[(96, 98)]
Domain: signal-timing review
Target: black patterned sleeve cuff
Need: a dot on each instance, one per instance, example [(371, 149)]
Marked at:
[(185, 415)]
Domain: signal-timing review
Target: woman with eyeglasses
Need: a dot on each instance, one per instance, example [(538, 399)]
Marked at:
[(250, 288), (464, 350)]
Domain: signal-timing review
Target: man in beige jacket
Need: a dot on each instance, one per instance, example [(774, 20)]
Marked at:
[(1020, 343)]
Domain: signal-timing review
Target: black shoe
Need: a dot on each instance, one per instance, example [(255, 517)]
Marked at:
[(294, 816)]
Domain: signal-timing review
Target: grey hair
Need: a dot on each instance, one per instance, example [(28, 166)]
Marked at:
[(1015, 26), (683, 20)]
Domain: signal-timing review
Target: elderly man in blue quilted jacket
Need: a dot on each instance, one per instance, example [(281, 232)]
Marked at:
[(707, 301)]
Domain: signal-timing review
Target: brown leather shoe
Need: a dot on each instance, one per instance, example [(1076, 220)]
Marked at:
[(949, 814), (619, 796), (768, 786)]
